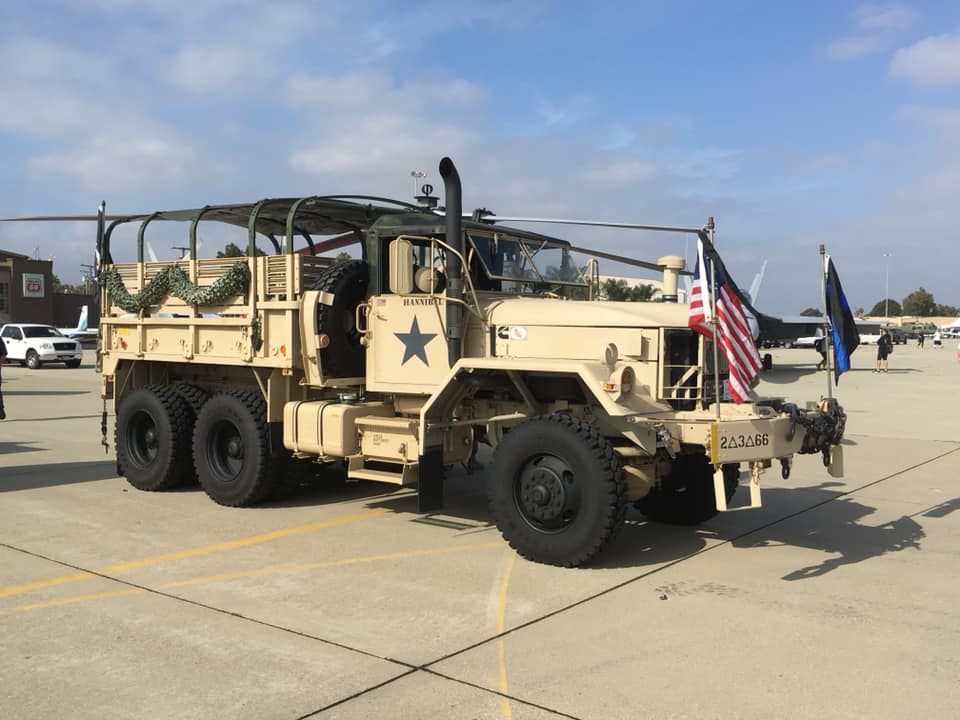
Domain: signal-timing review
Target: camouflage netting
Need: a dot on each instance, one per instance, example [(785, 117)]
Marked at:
[(174, 281)]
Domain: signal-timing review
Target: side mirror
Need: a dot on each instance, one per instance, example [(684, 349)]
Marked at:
[(401, 266)]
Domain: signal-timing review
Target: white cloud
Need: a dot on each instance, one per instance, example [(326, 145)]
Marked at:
[(567, 112), (890, 17), (620, 172), (822, 163), (139, 159), (217, 68), (944, 122), (932, 61), (876, 27), (855, 46), (370, 142)]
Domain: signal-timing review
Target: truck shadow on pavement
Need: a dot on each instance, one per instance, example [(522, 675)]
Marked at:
[(835, 526), (814, 518), (30, 477)]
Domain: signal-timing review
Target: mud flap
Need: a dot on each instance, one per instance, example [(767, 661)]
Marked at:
[(430, 480), (720, 493), (835, 467)]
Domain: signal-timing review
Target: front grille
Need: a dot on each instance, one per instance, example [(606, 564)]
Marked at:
[(64, 346)]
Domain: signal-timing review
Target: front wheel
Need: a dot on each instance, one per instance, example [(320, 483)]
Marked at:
[(556, 490), (32, 360)]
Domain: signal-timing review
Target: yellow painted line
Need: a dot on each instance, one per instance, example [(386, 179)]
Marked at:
[(195, 552), (501, 650), (327, 564), (254, 573), (62, 580), (78, 598)]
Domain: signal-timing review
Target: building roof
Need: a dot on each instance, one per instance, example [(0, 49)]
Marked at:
[(4, 254)]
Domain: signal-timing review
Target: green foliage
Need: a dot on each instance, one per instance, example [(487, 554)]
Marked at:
[(889, 305), (342, 256), (920, 303), (616, 289), (65, 288), (944, 310), (811, 312), (173, 280), (233, 250)]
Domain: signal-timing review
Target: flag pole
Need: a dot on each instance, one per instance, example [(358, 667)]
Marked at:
[(827, 330), (716, 325)]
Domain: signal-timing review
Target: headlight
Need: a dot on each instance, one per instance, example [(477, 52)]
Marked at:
[(46, 346)]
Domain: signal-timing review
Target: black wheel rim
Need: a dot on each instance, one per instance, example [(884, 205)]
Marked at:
[(546, 494), (143, 439), (225, 451)]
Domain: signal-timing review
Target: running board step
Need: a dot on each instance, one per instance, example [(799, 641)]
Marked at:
[(397, 474)]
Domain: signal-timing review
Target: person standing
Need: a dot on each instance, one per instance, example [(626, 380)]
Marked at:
[(820, 347), (3, 357), (884, 348), (920, 338), (936, 339)]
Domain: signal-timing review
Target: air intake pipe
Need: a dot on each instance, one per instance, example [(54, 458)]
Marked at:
[(454, 237)]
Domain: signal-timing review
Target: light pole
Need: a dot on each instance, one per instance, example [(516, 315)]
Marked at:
[(416, 175), (886, 293)]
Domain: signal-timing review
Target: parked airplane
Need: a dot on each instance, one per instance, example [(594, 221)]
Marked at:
[(81, 332)]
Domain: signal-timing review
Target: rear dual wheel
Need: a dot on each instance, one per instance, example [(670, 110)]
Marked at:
[(237, 461), (153, 438)]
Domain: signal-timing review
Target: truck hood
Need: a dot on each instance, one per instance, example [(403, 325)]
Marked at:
[(537, 311)]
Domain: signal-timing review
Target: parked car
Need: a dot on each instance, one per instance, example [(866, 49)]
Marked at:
[(33, 345)]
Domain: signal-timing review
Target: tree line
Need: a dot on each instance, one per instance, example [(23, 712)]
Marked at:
[(919, 303)]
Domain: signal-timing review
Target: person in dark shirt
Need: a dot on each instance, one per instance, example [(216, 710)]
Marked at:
[(820, 346), (884, 348), (3, 356)]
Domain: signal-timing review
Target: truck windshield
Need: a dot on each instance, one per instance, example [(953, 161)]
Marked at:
[(523, 262)]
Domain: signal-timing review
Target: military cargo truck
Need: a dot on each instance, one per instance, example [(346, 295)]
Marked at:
[(449, 333)]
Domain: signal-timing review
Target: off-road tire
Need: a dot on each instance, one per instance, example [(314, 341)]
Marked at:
[(556, 490), (32, 360), (72, 363), (231, 449), (194, 397), (152, 452), (347, 281), (686, 496)]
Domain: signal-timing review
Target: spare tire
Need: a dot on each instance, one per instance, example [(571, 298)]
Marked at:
[(343, 355)]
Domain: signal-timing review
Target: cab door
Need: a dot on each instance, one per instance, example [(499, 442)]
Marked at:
[(406, 326)]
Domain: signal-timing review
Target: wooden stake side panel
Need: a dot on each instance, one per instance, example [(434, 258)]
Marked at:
[(224, 333)]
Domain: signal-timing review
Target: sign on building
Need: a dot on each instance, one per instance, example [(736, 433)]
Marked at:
[(33, 285)]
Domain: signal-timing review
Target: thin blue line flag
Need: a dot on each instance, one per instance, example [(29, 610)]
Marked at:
[(844, 328)]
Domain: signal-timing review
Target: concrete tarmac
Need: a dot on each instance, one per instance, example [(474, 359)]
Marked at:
[(836, 599)]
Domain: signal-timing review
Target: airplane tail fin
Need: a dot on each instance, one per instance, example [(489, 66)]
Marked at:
[(82, 322)]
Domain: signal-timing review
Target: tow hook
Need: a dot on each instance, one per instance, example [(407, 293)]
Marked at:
[(794, 417), (663, 437)]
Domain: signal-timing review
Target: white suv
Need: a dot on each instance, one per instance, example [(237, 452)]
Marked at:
[(34, 345)]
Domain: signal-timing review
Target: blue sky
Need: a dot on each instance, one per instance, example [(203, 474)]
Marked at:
[(792, 124)]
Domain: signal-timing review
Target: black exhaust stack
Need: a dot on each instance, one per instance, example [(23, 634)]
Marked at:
[(454, 215)]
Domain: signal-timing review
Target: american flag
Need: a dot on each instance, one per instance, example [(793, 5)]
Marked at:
[(736, 340)]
